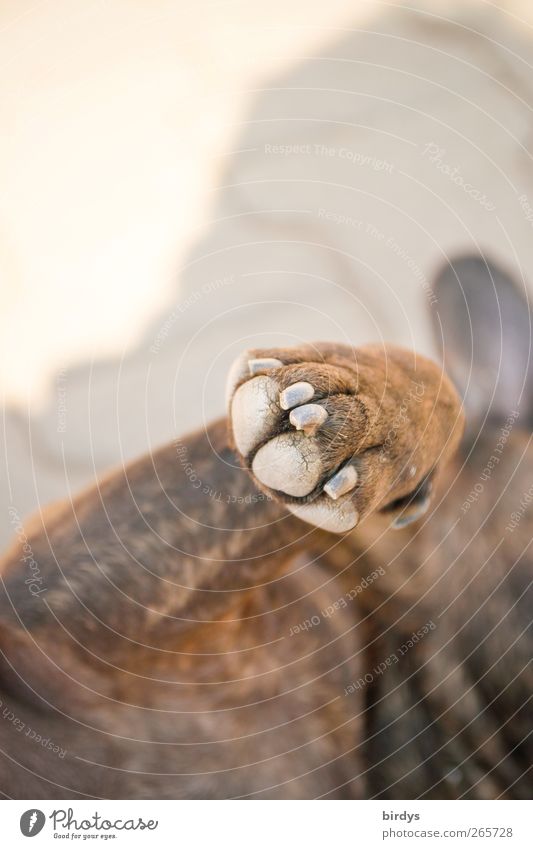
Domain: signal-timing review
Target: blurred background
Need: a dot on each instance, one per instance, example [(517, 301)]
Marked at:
[(180, 181)]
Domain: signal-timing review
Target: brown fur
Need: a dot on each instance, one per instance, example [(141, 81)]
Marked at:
[(163, 654)]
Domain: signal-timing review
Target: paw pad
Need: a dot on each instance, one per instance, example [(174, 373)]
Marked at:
[(254, 411), (290, 463), (275, 429), (337, 517)]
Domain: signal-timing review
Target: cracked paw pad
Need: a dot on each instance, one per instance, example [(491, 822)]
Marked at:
[(289, 463)]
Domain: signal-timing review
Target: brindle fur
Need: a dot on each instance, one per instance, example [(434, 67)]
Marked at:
[(159, 654)]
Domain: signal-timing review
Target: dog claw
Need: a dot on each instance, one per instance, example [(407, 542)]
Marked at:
[(407, 518), (341, 483), (298, 393), (308, 418), (263, 364)]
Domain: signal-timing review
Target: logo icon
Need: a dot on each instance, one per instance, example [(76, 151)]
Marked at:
[(32, 822)]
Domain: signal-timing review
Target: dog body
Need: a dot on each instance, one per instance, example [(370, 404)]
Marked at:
[(188, 630)]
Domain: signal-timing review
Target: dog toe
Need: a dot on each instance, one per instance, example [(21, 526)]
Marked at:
[(290, 463), (254, 412)]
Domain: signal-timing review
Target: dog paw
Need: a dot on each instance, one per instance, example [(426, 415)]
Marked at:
[(315, 426)]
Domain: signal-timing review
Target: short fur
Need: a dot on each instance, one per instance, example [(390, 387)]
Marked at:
[(195, 640)]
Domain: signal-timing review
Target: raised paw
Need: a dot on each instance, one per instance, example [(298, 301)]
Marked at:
[(336, 433)]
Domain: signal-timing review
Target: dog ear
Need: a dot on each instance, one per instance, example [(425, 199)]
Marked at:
[(483, 328)]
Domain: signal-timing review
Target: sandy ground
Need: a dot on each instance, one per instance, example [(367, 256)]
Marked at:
[(182, 181)]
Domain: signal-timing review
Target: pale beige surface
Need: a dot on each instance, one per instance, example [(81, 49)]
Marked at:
[(180, 182), (114, 116)]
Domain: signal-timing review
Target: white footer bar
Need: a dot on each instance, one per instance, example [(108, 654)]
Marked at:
[(267, 824)]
